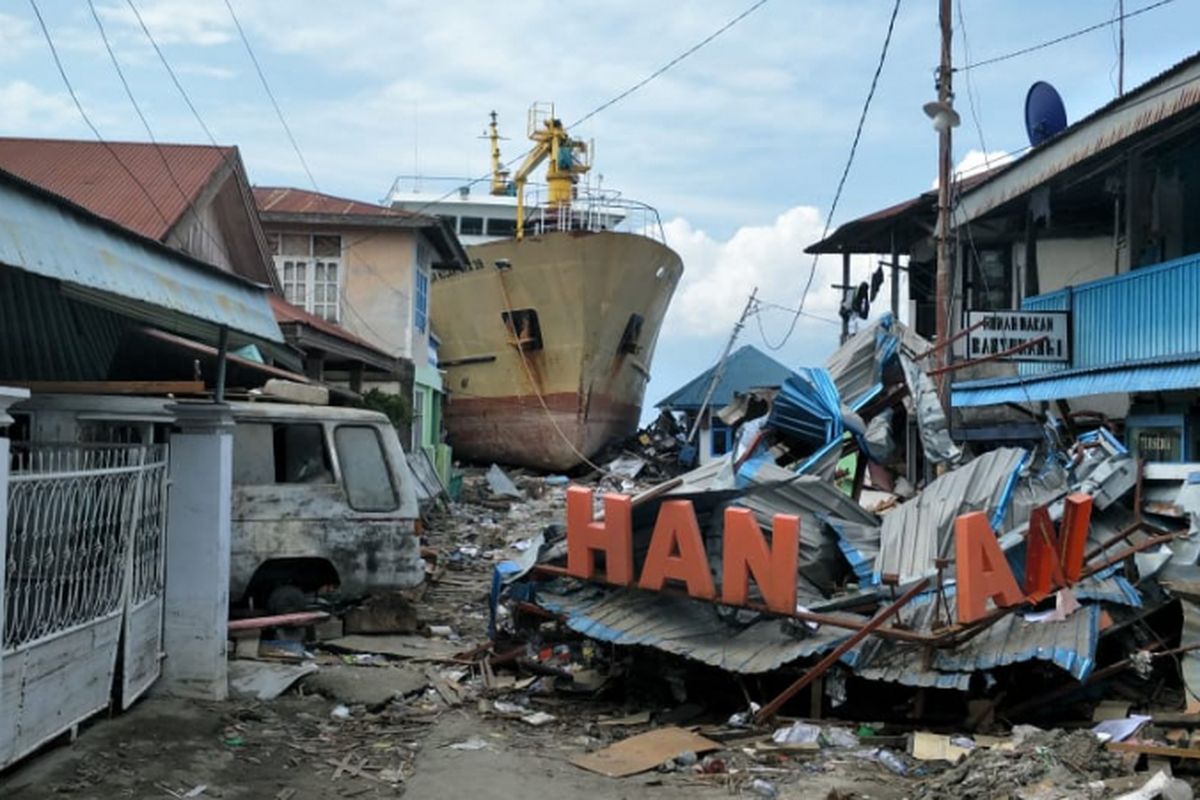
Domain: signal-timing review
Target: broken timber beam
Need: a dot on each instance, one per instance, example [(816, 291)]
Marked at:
[(821, 667)]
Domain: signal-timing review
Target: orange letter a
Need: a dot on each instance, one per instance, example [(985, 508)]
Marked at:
[(981, 568), (746, 553), (612, 536), (676, 530)]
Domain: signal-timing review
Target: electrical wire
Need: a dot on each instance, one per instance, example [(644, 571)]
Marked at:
[(757, 5), (1065, 37), (837, 195), (79, 107), (274, 103), (962, 26), (220, 246)]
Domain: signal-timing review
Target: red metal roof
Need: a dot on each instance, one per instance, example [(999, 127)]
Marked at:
[(286, 312), (125, 182), (283, 200)]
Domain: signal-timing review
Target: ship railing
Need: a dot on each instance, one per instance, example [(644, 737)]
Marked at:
[(593, 210)]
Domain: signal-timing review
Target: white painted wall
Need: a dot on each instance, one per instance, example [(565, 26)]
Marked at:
[(1070, 262), (198, 545)]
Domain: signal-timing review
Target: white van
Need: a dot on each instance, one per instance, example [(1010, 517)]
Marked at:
[(322, 496)]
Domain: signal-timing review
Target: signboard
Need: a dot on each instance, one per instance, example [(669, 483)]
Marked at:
[(1002, 331)]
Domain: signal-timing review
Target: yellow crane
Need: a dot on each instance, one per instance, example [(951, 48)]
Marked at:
[(568, 159)]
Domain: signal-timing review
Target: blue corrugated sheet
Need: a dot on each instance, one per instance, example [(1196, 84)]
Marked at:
[(1147, 313), (685, 627), (47, 236), (808, 408), (1144, 377), (746, 368)]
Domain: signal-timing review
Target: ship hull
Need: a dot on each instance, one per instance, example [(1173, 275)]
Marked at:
[(578, 379)]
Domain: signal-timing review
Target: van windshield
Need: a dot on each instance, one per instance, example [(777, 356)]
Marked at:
[(365, 470)]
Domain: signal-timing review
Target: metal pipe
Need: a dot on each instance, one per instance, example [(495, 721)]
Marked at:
[(985, 359), (821, 667), (222, 358), (951, 340)]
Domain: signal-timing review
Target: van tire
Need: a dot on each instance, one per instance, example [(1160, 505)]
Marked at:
[(286, 599)]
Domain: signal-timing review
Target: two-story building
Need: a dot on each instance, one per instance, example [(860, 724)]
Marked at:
[(367, 268), (1099, 224)]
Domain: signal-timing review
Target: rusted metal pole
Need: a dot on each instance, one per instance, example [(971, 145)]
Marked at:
[(944, 281), (985, 359), (772, 708), (950, 341)]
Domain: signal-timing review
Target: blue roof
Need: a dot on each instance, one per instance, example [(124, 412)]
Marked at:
[(1148, 376), (746, 368)]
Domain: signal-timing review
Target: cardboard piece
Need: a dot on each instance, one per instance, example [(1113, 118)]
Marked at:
[(643, 752), (934, 747)]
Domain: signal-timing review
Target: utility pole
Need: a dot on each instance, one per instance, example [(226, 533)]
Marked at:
[(720, 369), (942, 295), (1121, 48)]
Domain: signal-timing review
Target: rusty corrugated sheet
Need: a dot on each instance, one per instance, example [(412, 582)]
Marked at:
[(284, 200), (105, 180)]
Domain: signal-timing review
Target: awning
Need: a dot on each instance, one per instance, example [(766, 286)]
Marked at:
[(103, 263), (1146, 377)]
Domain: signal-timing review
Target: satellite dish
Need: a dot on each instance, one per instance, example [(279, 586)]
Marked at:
[(1045, 115)]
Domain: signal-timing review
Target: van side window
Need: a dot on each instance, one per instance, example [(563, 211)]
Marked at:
[(365, 469), (266, 453)]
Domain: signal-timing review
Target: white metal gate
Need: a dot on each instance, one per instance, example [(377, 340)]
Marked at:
[(83, 571)]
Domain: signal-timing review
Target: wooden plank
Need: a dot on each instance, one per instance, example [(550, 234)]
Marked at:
[(112, 387), (1151, 749), (278, 620)]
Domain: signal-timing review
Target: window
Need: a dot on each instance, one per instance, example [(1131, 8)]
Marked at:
[(501, 227), (451, 221), (471, 226), (991, 281), (421, 294), (310, 270), (722, 438), (365, 472), (524, 327), (266, 453)]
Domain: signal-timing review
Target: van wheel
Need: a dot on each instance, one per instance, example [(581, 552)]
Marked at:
[(286, 599)]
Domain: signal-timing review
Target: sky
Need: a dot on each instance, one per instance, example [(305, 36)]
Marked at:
[(739, 146)]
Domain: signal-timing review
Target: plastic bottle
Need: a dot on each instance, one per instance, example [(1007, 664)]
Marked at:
[(764, 788)]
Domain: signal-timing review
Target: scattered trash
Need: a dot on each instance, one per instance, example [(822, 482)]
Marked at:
[(799, 734), (473, 743), (538, 719), (1118, 730), (763, 788), (340, 712), (501, 484), (643, 752)]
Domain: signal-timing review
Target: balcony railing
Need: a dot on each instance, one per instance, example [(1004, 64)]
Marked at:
[(1147, 314)]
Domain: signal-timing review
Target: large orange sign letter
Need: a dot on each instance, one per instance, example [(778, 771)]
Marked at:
[(677, 552), (1054, 559), (981, 568), (612, 536), (746, 553)]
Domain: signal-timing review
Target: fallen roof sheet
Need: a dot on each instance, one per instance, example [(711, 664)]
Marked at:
[(685, 627)]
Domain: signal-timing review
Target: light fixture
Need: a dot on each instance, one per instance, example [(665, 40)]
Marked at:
[(943, 115)]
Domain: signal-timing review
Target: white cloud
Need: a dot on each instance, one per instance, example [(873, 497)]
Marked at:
[(719, 275), (28, 110), (207, 71), (16, 37), (975, 162), (198, 23)]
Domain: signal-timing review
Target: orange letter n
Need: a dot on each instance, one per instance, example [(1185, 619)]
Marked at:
[(1055, 559), (746, 553), (982, 571), (612, 536), (677, 552)]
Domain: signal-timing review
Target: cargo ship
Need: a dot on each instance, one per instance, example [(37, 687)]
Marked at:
[(547, 341)]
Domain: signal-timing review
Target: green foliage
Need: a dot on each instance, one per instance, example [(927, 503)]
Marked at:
[(397, 408)]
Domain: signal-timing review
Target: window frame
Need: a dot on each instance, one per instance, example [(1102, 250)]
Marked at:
[(308, 283)]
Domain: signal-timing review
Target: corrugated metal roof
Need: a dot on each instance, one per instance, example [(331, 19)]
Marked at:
[(1147, 376), (746, 368), (1169, 94), (106, 180), (920, 530), (44, 235), (284, 200), (685, 627)]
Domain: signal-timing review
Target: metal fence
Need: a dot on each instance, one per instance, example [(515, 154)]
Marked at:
[(82, 574)]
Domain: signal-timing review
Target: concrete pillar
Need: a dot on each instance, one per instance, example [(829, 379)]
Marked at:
[(8, 396), (197, 564)]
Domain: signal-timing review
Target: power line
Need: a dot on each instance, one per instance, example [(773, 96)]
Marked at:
[(1064, 37), (837, 195), (274, 103), (962, 26), (79, 107), (670, 63), (150, 133)]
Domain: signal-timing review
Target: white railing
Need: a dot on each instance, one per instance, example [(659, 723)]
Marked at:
[(73, 514), (591, 210)]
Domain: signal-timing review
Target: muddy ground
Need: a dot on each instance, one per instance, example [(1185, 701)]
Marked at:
[(432, 724)]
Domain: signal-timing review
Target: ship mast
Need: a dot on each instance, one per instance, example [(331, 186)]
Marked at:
[(567, 160)]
